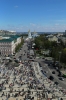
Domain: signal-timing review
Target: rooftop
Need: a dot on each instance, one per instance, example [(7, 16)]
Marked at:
[(9, 38)]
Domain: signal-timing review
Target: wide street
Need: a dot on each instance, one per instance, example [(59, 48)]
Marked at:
[(24, 79), (45, 66), (22, 52), (56, 78)]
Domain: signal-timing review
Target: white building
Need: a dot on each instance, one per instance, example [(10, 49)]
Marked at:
[(53, 38), (35, 34), (8, 44), (29, 36)]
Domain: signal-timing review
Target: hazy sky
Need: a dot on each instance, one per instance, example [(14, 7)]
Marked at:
[(38, 15)]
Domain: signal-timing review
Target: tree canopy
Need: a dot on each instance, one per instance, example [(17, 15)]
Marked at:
[(43, 43)]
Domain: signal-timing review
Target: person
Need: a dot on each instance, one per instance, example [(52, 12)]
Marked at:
[(3, 93), (8, 95), (61, 99)]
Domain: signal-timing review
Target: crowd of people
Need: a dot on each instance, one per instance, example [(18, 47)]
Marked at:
[(24, 82), (20, 83)]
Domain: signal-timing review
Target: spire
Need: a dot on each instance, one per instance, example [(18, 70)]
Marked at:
[(29, 30)]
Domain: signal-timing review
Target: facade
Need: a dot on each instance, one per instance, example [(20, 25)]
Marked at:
[(53, 38), (8, 44), (59, 34), (35, 34)]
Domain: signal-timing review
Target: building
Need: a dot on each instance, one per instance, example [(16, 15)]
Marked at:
[(59, 34), (8, 44), (35, 34), (29, 36), (53, 38)]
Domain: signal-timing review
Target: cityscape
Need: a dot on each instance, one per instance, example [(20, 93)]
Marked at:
[(32, 50), (31, 71)]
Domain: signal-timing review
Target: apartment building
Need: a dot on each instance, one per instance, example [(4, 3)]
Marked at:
[(8, 44)]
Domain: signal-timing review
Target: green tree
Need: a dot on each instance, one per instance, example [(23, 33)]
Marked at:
[(63, 56), (43, 43), (19, 45)]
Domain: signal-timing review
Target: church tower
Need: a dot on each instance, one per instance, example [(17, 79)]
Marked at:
[(29, 34)]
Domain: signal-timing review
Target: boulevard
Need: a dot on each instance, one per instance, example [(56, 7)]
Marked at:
[(47, 68), (26, 81)]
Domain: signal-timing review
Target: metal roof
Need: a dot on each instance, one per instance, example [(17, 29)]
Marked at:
[(12, 38)]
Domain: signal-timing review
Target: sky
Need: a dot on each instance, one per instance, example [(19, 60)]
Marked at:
[(36, 15)]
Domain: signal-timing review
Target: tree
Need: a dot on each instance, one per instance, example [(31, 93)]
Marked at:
[(63, 56), (19, 45)]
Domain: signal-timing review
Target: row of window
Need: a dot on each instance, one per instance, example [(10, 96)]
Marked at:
[(4, 53), (5, 45), (5, 50)]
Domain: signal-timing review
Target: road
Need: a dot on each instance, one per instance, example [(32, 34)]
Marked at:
[(45, 67), (23, 52), (49, 73)]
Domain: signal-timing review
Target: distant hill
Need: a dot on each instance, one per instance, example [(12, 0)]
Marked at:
[(6, 32)]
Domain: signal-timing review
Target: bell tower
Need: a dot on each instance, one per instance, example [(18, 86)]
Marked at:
[(29, 34)]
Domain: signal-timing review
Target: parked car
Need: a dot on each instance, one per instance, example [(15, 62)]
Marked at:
[(40, 65), (57, 68), (61, 78), (56, 83), (51, 78), (59, 75), (53, 72)]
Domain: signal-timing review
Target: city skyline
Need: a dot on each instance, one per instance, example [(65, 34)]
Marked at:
[(38, 15)]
